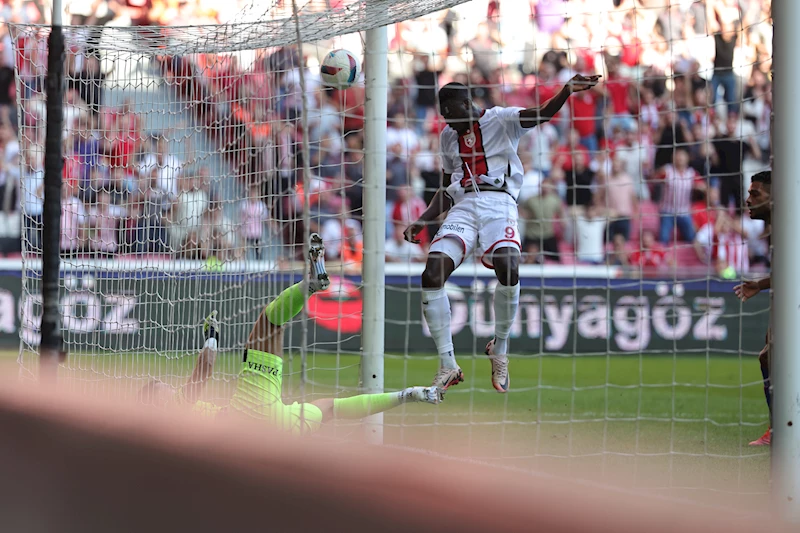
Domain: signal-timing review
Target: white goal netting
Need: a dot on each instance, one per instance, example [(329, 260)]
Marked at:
[(184, 191)]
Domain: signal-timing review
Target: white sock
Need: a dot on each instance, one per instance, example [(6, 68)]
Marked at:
[(211, 343), (506, 302), (436, 308), (408, 395)]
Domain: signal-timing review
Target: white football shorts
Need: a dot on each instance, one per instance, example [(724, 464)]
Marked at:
[(484, 222)]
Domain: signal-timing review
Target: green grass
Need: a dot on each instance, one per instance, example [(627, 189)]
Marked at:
[(678, 423)]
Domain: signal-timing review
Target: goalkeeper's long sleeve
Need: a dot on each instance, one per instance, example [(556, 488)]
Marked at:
[(365, 405)]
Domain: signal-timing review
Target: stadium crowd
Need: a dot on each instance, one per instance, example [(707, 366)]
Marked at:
[(645, 172)]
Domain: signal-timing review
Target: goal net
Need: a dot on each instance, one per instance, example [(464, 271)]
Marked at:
[(186, 190)]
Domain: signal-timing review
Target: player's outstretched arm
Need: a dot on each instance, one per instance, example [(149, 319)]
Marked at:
[(441, 203), (748, 289), (204, 366), (364, 405), (533, 116)]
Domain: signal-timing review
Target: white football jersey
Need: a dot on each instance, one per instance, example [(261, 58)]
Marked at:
[(487, 153)]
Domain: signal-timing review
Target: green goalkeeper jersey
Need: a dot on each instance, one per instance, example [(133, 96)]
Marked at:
[(258, 395)]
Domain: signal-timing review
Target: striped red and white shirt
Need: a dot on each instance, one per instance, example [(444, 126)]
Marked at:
[(676, 196), (729, 248)]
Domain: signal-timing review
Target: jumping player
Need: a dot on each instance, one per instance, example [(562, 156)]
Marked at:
[(258, 388), (759, 204), (484, 177)]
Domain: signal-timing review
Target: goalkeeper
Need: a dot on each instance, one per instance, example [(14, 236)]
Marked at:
[(258, 390)]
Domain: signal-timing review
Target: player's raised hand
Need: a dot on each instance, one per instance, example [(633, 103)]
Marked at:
[(411, 232), (746, 290), (580, 82)]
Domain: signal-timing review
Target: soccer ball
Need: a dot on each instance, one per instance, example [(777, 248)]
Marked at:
[(340, 69)]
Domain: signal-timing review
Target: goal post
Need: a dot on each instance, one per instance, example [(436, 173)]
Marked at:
[(786, 295), (376, 68), (52, 349)]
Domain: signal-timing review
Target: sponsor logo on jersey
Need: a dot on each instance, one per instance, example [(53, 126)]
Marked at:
[(258, 367), (457, 228)]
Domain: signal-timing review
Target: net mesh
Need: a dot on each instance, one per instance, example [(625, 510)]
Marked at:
[(630, 354)]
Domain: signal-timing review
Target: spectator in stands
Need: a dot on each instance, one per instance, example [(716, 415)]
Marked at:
[(676, 191), (571, 151), (33, 202), (618, 194), (218, 235), (396, 174), (672, 134), (671, 115), (125, 139), (723, 21), (254, 215), (74, 110), (484, 52), (618, 89), (619, 255), (401, 139), (9, 167), (548, 85), (89, 81), (583, 113), (73, 220), (702, 154), (728, 168), (721, 244), (103, 223), (425, 76), (705, 201), (637, 154), (329, 163), (731, 150), (146, 232), (531, 178), (168, 167), (590, 229), (399, 250), (407, 208), (186, 212), (580, 183), (549, 15), (86, 148), (757, 108), (122, 182), (650, 254), (352, 247), (97, 180), (648, 111), (540, 214), (541, 143)]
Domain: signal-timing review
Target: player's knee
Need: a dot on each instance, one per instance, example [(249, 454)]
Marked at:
[(432, 278), (506, 266), (436, 272)]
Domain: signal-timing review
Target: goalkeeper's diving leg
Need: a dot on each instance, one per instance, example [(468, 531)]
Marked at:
[(258, 391)]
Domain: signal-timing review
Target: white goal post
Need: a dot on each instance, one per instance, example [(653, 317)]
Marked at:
[(786, 297)]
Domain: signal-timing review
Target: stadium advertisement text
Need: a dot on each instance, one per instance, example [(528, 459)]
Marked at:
[(136, 311)]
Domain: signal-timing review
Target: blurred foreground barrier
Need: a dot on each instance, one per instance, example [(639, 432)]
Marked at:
[(68, 464)]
